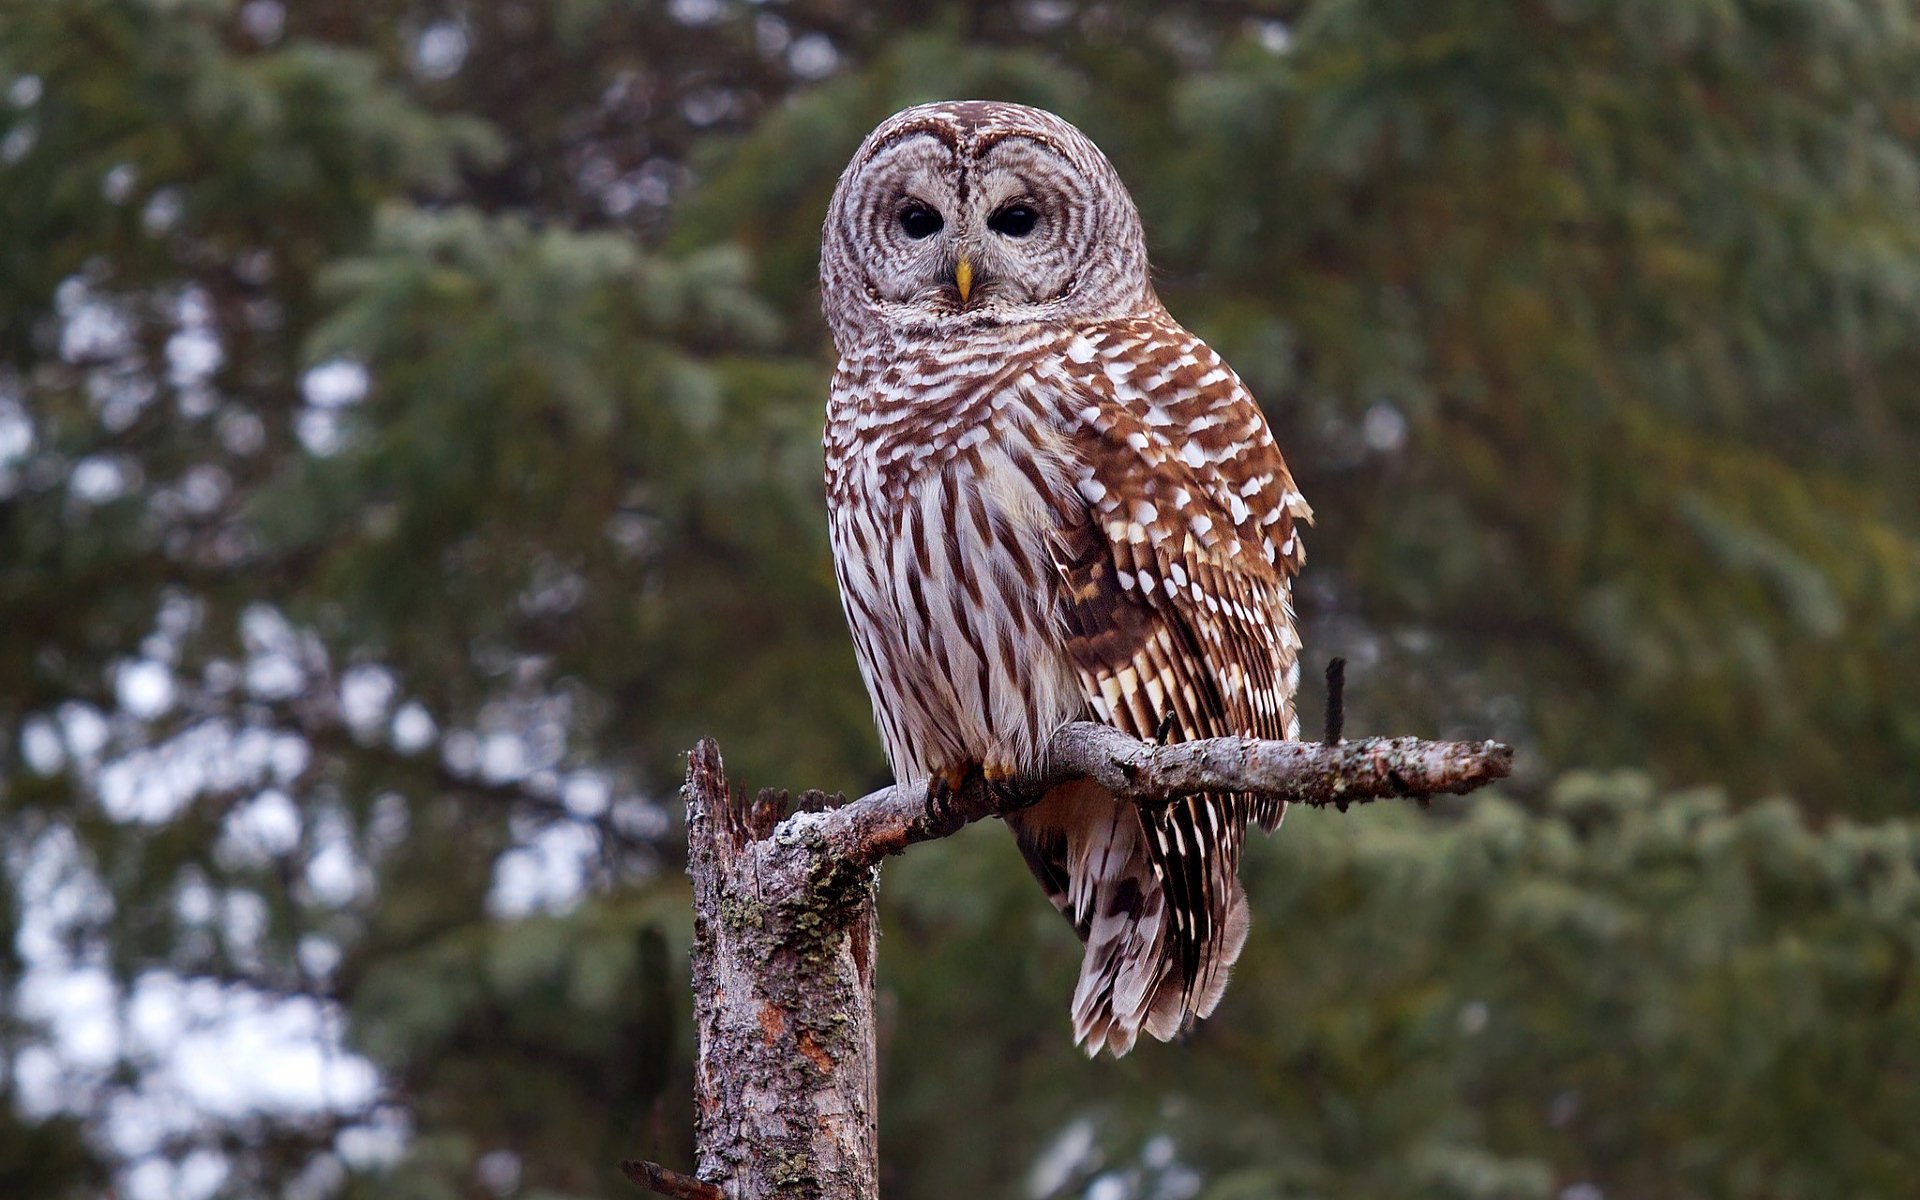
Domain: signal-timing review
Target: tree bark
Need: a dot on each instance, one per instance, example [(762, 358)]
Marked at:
[(784, 940), (784, 929)]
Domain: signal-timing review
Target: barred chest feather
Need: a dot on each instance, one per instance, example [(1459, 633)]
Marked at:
[(946, 475)]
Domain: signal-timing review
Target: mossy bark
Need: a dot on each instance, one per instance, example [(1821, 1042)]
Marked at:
[(784, 943)]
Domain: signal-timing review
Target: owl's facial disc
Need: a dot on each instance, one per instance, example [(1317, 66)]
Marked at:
[(978, 238), (940, 227)]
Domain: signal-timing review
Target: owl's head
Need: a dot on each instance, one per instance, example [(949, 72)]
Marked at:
[(970, 214)]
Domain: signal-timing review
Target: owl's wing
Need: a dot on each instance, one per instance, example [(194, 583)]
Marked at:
[(1177, 566)]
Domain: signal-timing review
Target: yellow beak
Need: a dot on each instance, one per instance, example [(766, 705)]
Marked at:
[(963, 278)]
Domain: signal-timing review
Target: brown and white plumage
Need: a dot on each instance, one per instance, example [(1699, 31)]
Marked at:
[(1049, 501)]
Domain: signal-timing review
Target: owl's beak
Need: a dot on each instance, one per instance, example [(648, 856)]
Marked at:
[(963, 278)]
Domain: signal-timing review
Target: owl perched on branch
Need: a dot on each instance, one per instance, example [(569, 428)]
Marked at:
[(1050, 502)]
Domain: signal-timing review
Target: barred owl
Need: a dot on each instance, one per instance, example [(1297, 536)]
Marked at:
[(1050, 502)]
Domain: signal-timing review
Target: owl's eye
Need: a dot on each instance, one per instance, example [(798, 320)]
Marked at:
[(918, 221), (1015, 220)]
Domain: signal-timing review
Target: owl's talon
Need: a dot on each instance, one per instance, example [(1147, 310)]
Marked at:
[(1003, 780), (938, 797), (941, 789)]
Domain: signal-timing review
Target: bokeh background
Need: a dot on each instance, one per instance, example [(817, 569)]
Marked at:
[(409, 418)]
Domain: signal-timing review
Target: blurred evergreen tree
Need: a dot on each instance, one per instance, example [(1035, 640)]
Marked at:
[(409, 443), (1618, 989)]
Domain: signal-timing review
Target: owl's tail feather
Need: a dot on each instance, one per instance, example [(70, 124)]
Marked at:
[(1089, 851)]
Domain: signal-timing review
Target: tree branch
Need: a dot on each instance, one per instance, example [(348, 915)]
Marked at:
[(663, 1181), (886, 822), (785, 1100)]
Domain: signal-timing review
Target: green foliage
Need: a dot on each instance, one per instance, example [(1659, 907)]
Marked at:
[(1588, 334), (1651, 993), (556, 1038), (409, 424), (626, 473)]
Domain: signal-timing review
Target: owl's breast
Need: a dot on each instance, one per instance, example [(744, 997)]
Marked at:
[(941, 544), (895, 418)]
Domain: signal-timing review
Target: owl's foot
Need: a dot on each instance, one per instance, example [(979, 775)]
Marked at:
[(1002, 775), (999, 771), (944, 785)]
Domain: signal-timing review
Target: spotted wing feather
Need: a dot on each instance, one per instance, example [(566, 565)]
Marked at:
[(1178, 605)]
